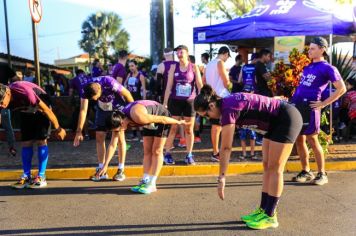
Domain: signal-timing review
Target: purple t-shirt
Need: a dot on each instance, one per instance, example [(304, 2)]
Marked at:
[(78, 82), (119, 71), (183, 84), (250, 111), (25, 96), (315, 78), (110, 98)]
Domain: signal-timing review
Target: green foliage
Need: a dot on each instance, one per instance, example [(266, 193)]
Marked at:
[(103, 34), (227, 9), (343, 63)]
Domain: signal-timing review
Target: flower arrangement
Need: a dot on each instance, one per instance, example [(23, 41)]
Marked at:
[(285, 77)]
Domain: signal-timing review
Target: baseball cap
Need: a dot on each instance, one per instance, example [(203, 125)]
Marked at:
[(224, 50), (181, 47), (321, 42)]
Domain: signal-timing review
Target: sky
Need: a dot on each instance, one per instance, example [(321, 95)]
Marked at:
[(60, 28)]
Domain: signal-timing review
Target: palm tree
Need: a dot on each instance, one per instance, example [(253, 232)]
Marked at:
[(103, 34)]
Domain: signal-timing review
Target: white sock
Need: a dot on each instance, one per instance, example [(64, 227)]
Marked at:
[(101, 165), (153, 180), (146, 177), (121, 166)]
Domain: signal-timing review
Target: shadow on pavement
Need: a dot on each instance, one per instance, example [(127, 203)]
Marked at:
[(133, 229)]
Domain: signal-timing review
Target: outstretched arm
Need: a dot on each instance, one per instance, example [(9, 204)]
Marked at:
[(227, 136), (139, 115)]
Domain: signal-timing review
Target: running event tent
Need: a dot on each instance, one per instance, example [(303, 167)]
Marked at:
[(279, 18)]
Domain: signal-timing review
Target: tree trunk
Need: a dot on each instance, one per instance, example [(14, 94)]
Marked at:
[(157, 31), (169, 24)]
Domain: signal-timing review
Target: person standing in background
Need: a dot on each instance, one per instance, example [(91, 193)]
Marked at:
[(119, 70)]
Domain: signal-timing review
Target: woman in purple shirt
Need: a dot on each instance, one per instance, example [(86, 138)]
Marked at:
[(307, 99), (278, 121), (184, 81), (155, 120)]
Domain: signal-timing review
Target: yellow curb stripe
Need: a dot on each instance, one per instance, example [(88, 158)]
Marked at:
[(212, 169)]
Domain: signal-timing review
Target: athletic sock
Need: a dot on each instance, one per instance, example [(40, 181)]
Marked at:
[(271, 205), (121, 166), (101, 165), (42, 153), (153, 180), (26, 155), (146, 178), (190, 154), (264, 198)]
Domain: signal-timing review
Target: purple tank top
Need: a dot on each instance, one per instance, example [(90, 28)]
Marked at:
[(250, 111), (167, 67), (183, 84)]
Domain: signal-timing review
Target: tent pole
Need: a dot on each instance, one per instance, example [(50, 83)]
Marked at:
[(330, 87)]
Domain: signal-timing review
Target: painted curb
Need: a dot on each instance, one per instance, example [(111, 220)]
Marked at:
[(198, 170)]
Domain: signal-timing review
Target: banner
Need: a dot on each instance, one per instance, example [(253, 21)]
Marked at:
[(283, 45)]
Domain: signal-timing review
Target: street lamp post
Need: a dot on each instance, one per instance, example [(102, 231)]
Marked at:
[(7, 36)]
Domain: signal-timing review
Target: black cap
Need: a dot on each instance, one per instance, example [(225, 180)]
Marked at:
[(224, 50), (181, 47), (320, 41)]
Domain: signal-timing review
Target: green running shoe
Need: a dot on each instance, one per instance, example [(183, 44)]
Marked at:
[(128, 146), (136, 188), (147, 188), (252, 215), (263, 221)]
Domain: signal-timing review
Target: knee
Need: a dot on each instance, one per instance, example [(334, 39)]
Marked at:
[(42, 142), (275, 168), (188, 130), (157, 152), (100, 139), (173, 129)]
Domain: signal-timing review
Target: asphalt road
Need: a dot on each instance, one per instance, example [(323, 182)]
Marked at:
[(182, 206)]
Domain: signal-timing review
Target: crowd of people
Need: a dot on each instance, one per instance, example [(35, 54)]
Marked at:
[(175, 102)]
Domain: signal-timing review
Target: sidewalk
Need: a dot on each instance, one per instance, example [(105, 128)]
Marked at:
[(63, 156)]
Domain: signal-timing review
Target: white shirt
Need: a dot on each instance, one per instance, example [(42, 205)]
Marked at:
[(214, 80)]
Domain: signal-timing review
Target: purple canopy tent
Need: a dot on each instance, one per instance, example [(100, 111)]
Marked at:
[(258, 27), (278, 18)]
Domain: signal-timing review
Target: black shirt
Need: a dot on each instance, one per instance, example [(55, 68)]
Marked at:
[(6, 73), (261, 84)]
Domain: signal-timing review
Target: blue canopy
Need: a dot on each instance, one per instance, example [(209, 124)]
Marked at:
[(278, 18)]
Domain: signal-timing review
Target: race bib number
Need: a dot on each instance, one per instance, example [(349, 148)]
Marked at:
[(183, 90), (131, 81), (105, 106)]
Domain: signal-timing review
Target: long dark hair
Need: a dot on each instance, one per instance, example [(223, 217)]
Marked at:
[(352, 82), (206, 96), (114, 120)]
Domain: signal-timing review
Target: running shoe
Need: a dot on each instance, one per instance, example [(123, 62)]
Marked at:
[(321, 179), (303, 177), (119, 176), (97, 178), (182, 143), (147, 188), (39, 182), (128, 146), (215, 157), (136, 188), (23, 182), (263, 221), (254, 157), (168, 159), (189, 160), (252, 215), (197, 139), (242, 157)]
